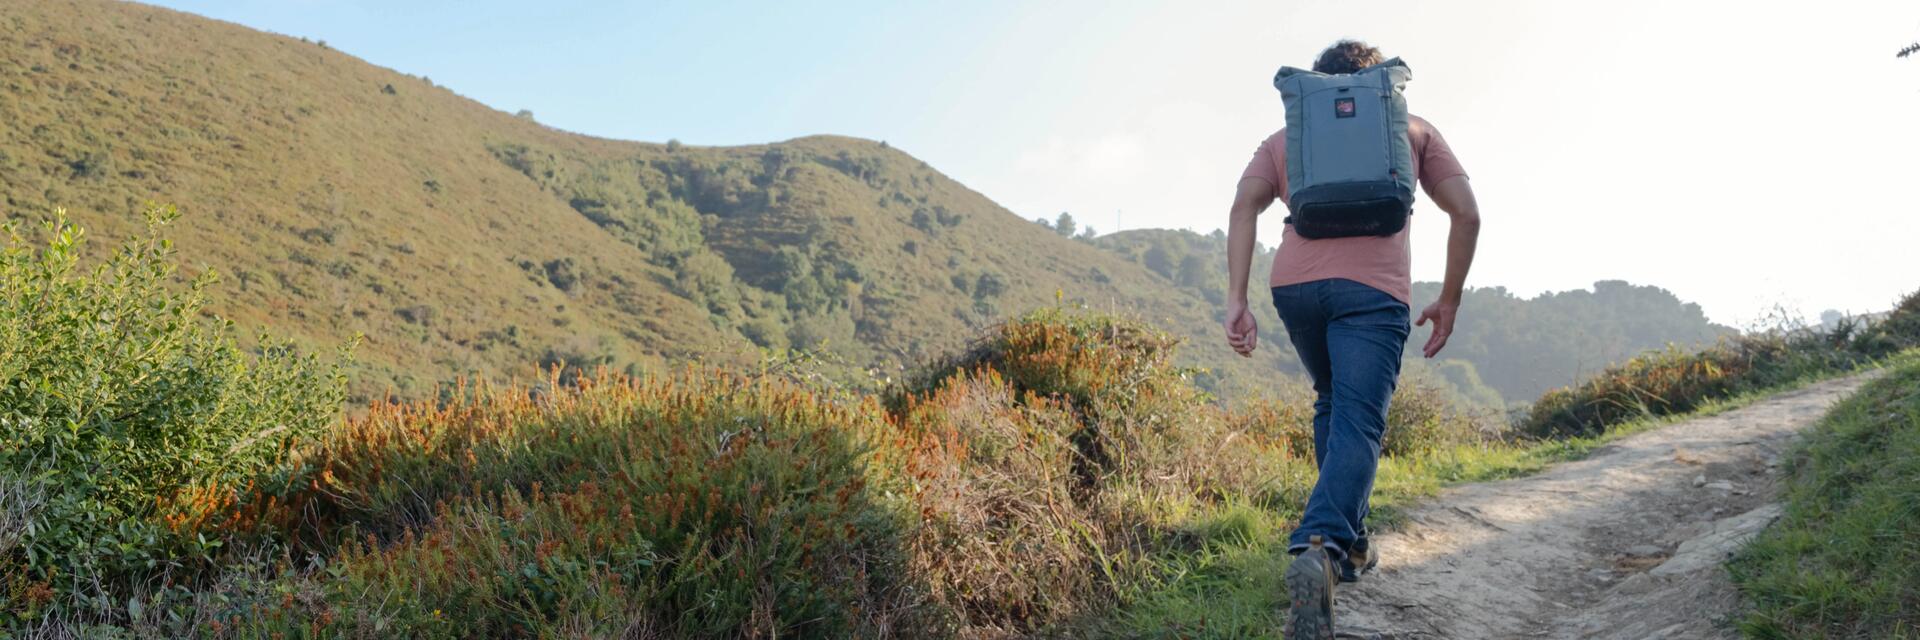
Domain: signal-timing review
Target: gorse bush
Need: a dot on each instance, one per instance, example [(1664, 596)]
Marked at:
[(1048, 459), (1674, 381), (160, 480), (1665, 382), (1063, 455), (714, 505), (124, 414), (1081, 358), (703, 505)]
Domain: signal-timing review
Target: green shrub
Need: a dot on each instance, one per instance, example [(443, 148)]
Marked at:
[(564, 273), (130, 418)]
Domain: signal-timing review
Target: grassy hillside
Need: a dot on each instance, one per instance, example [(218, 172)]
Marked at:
[(337, 198), (1845, 560)]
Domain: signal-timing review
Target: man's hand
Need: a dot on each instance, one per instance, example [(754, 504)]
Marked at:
[(1441, 313), (1250, 198), (1243, 333), (1455, 196)]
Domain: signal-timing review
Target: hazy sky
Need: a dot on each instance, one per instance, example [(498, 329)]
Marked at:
[(1742, 154)]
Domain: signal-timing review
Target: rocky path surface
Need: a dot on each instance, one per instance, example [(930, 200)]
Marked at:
[(1626, 543)]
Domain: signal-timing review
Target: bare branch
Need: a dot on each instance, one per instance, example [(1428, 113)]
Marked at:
[(18, 501)]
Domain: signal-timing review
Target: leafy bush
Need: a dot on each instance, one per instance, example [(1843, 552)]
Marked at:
[(130, 419)]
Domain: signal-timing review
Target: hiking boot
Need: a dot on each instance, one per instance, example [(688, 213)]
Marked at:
[(1310, 581), (1360, 559)]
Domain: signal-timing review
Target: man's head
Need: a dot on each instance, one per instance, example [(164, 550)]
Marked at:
[(1347, 56)]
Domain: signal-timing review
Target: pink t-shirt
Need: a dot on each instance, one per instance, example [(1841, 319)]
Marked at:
[(1381, 262)]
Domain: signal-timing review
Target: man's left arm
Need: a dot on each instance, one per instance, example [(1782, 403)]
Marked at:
[(1454, 196)]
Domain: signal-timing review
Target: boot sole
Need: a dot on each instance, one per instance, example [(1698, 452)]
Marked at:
[(1310, 591)]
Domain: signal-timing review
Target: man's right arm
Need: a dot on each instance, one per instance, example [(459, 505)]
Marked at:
[(1253, 196)]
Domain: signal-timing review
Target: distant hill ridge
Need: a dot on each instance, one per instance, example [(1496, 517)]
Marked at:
[(336, 198)]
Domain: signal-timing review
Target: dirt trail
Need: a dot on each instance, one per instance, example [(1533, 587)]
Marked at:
[(1625, 544)]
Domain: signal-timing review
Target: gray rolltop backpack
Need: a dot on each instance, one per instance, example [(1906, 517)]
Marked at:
[(1349, 163)]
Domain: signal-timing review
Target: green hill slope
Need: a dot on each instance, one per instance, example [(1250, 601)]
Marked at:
[(337, 197)]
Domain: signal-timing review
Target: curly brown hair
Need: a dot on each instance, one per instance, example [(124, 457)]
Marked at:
[(1347, 56)]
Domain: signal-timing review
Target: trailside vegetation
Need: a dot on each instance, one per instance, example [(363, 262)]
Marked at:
[(1060, 475), (161, 481), (1844, 561), (124, 418), (1674, 381)]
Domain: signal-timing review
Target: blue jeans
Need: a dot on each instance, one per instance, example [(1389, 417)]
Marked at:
[(1349, 337)]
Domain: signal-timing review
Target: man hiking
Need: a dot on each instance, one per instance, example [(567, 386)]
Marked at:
[(1342, 286)]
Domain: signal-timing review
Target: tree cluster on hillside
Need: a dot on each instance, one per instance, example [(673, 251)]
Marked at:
[(1196, 264), (1524, 347), (756, 242), (849, 247), (1066, 227)]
